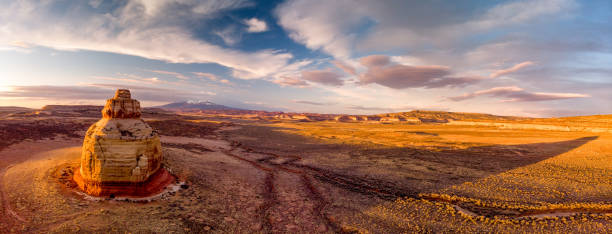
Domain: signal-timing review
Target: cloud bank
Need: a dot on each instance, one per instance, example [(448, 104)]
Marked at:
[(383, 72), (516, 94), (325, 77)]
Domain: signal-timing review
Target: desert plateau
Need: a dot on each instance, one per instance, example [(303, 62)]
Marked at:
[(273, 174)]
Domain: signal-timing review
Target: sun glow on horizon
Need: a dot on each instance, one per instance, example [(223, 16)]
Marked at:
[(4, 88)]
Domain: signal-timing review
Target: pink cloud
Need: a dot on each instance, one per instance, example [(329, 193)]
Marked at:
[(325, 77), (517, 94), (313, 103), (170, 73), (290, 81), (209, 76), (512, 69), (383, 72), (375, 60), (402, 76), (212, 77), (345, 67), (132, 78)]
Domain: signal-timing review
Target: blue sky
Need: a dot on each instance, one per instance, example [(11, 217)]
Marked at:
[(530, 58)]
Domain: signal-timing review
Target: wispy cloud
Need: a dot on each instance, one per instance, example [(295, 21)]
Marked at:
[(132, 78), (313, 103), (256, 25), (95, 92), (375, 108), (395, 109), (212, 77), (209, 76), (171, 73), (229, 35), (516, 94), (345, 67), (512, 69), (290, 81), (20, 44)]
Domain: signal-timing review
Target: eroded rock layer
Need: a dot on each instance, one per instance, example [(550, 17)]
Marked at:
[(156, 183), (121, 154)]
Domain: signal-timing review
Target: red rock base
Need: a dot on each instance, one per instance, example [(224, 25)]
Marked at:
[(154, 185)]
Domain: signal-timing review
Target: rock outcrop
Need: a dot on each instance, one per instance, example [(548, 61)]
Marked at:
[(121, 154)]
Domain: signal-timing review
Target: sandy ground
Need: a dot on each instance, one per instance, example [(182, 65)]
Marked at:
[(256, 192), (241, 182), (19, 153)]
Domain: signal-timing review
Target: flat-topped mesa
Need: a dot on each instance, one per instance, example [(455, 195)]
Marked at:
[(121, 154), (122, 106)]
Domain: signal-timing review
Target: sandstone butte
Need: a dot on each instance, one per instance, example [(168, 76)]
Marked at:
[(121, 154)]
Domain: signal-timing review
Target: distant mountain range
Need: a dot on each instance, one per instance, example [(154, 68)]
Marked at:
[(196, 105)]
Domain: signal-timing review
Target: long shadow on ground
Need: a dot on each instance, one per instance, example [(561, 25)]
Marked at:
[(436, 168)]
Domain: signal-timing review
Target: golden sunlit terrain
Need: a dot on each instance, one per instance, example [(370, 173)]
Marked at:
[(545, 180), (270, 175)]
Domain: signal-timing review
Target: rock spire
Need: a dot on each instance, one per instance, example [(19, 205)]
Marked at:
[(121, 154)]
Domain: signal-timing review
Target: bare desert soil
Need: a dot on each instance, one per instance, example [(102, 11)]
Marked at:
[(319, 177)]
